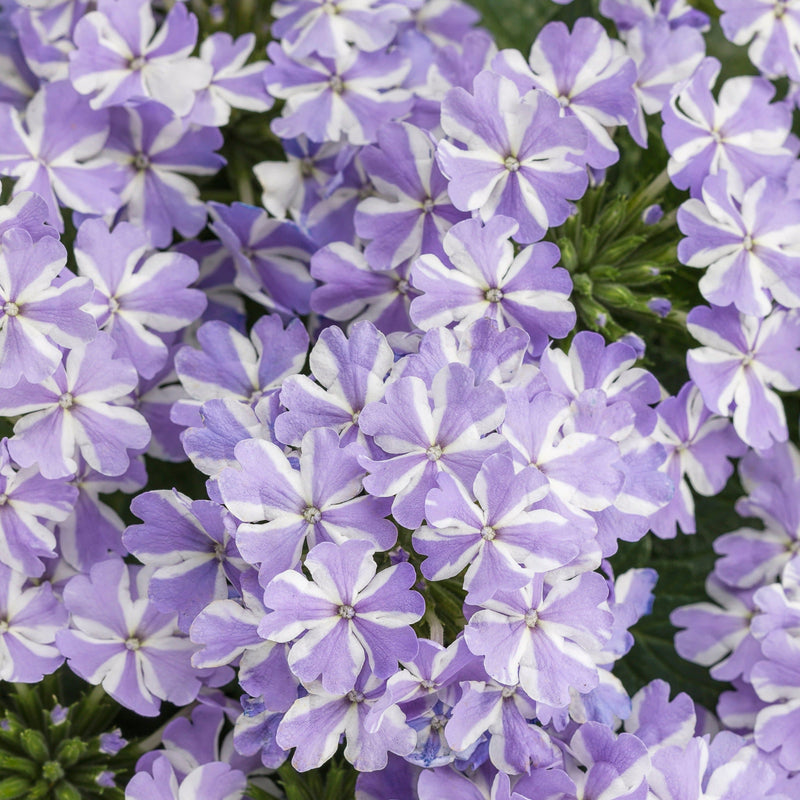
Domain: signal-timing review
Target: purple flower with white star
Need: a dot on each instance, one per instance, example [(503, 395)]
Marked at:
[(55, 151), (483, 278), (750, 247), (155, 151), (412, 209), (740, 132), (424, 433), (676, 13), (520, 158), (346, 616), (76, 410), (349, 373), (280, 506), (500, 540), (665, 57), (191, 546), (502, 711), (352, 290), (589, 74), (213, 781), (541, 639), (270, 256), (328, 27), (120, 58), (28, 211), (771, 28), (231, 365), (233, 84), (30, 616), (119, 639), (351, 94), (136, 292), (742, 360), (699, 445), (40, 307)]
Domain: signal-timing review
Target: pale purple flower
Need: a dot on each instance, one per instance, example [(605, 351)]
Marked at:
[(749, 246), (136, 292), (664, 58), (28, 211), (119, 639), (742, 360), (771, 28), (740, 132), (445, 22), (484, 278), (351, 94), (499, 539), (55, 151), (191, 546), (40, 307), (699, 445), (659, 721), (231, 365), (426, 432), (233, 84), (30, 617), (630, 13), (352, 290), (213, 781), (346, 616), (120, 58), (540, 637), (520, 155), (348, 372), (315, 724), (589, 74), (329, 27), (280, 506), (270, 256), (411, 210), (155, 151), (503, 712), (77, 410)]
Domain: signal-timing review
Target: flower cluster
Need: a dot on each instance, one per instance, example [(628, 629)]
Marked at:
[(411, 384)]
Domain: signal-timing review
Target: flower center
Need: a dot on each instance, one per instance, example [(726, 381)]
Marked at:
[(141, 161), (356, 415), (494, 295), (347, 612), (11, 309), (66, 400), (512, 164), (312, 515), (132, 644), (427, 205), (531, 617), (488, 533), (402, 286), (716, 136), (428, 684), (355, 696), (438, 722), (336, 84), (508, 691), (4, 626), (137, 63), (113, 305), (747, 242), (434, 452)]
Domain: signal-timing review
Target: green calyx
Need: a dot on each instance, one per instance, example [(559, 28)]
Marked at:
[(52, 752), (622, 266)]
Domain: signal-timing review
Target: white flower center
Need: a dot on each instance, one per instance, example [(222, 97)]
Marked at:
[(434, 452), (113, 305), (512, 164), (531, 617), (402, 286), (66, 400), (336, 84), (141, 161), (355, 696), (347, 612), (11, 309), (494, 295), (132, 644), (438, 722), (747, 242), (137, 63), (3, 499), (312, 515), (427, 205), (508, 691), (4, 626), (488, 533)]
